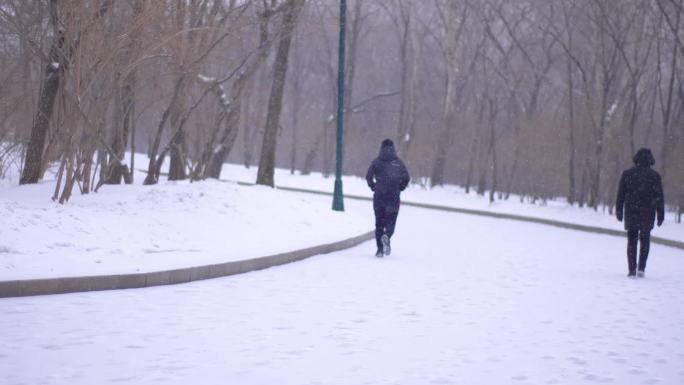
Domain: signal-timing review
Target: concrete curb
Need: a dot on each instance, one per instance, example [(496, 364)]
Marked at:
[(30, 287), (514, 217)]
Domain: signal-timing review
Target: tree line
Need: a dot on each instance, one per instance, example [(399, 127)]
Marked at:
[(538, 98)]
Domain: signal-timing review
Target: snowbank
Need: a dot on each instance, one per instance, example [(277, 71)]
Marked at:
[(128, 229)]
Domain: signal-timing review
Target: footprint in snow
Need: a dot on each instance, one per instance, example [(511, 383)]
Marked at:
[(60, 244), (595, 378), (441, 381), (636, 371), (577, 361)]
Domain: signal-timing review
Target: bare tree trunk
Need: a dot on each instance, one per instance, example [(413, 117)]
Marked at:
[(152, 176), (571, 123), (595, 181), (482, 179), (124, 104), (352, 53), (492, 151), (101, 164), (410, 128), (233, 109), (87, 167), (230, 134), (133, 126), (405, 71), (471, 165), (667, 111), (275, 102), (408, 48), (60, 174), (177, 170), (177, 146), (296, 102), (514, 171), (249, 133), (58, 59), (583, 184), (452, 36), (69, 183)]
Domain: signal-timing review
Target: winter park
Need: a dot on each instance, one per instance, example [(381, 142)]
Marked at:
[(342, 192)]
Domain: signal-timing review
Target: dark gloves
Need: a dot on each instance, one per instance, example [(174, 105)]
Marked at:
[(660, 220), (372, 187), (619, 216)]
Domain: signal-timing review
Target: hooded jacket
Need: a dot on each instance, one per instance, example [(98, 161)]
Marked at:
[(387, 175), (640, 194)]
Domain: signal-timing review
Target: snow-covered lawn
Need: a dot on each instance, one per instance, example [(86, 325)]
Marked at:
[(128, 229), (462, 300)]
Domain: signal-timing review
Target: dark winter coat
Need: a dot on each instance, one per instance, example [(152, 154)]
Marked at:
[(640, 194), (387, 175)]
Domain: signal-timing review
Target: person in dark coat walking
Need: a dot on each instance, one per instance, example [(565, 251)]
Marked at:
[(639, 200), (387, 176)]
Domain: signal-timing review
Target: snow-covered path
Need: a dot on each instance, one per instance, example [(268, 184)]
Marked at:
[(462, 300)]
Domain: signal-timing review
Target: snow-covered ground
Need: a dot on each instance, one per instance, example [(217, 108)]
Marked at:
[(454, 196), (462, 300), (128, 229)]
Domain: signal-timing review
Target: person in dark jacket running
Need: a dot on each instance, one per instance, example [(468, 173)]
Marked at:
[(387, 176), (639, 199)]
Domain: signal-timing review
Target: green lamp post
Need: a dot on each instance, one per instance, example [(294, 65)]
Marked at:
[(338, 196)]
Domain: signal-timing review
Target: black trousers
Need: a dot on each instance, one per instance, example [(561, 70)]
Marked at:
[(642, 237), (385, 219)]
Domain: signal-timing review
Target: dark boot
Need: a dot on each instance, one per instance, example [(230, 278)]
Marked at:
[(644, 246), (386, 248), (632, 240)]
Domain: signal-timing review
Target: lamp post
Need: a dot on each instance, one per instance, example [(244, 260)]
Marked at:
[(338, 197)]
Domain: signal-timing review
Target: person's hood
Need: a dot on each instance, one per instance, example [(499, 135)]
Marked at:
[(644, 158), (387, 151)]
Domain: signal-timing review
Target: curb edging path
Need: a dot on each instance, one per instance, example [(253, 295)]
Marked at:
[(31, 287), (514, 217)]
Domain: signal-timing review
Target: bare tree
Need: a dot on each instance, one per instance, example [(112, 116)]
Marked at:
[(268, 148), (453, 20), (65, 41)]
